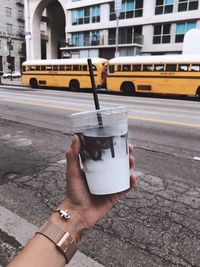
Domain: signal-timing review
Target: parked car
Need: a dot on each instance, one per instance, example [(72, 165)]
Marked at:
[(15, 75)]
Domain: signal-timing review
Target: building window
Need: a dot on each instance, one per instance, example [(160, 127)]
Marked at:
[(20, 14), (9, 28), (86, 15), (164, 6), (95, 37), (85, 38), (129, 9), (185, 5), (127, 35), (182, 28), (162, 34), (95, 14), (8, 12), (21, 31)]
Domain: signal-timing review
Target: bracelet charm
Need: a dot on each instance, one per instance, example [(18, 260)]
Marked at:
[(64, 214)]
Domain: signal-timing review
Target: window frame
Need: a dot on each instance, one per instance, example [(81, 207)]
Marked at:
[(162, 37)]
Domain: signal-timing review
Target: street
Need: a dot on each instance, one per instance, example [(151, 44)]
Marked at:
[(156, 224)]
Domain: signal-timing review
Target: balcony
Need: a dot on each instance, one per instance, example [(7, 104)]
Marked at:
[(136, 39), (20, 2), (104, 41)]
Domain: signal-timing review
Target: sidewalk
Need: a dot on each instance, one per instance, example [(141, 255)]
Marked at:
[(14, 82), (23, 231)]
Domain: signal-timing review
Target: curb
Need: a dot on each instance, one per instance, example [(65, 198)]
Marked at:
[(22, 230)]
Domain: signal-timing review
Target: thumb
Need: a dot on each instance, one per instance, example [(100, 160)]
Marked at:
[(72, 156)]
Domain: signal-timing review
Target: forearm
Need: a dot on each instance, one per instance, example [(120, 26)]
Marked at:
[(42, 252), (39, 252)]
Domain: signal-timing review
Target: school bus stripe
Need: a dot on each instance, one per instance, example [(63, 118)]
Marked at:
[(55, 74), (153, 77)]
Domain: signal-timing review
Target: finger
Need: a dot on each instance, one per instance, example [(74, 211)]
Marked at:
[(131, 162), (73, 165), (130, 146), (76, 145), (133, 181)]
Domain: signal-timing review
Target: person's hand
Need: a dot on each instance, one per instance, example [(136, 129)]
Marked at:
[(90, 207)]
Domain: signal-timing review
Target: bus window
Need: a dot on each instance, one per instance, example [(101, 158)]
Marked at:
[(49, 67), (136, 67), (183, 67), (84, 67), (68, 67), (62, 67), (37, 67), (43, 67), (76, 67), (147, 67), (24, 68), (32, 67), (171, 67), (159, 67), (195, 67), (126, 67), (111, 69), (55, 67), (118, 67)]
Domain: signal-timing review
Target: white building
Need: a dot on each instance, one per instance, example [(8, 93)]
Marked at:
[(80, 28), (12, 34)]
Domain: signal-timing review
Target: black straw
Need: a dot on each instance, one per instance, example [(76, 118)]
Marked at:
[(94, 90)]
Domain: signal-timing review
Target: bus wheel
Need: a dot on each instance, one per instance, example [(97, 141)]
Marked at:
[(198, 92), (74, 85), (127, 88), (33, 83)]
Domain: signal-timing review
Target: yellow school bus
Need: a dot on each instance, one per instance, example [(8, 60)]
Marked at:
[(168, 74), (71, 73)]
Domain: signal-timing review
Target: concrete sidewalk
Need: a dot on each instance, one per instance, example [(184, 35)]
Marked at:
[(14, 82), (22, 231)]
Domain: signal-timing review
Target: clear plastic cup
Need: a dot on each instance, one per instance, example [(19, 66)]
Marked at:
[(104, 148)]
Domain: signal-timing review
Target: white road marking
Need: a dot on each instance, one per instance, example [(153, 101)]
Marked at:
[(196, 158)]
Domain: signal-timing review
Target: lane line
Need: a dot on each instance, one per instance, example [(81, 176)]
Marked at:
[(140, 118), (42, 104), (165, 121)]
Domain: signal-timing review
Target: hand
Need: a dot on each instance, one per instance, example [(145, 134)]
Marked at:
[(90, 207)]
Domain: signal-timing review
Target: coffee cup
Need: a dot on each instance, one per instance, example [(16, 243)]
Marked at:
[(104, 148)]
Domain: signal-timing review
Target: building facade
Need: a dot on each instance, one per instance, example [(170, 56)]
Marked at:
[(12, 35), (80, 28)]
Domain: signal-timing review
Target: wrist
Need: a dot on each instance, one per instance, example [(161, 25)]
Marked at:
[(74, 225)]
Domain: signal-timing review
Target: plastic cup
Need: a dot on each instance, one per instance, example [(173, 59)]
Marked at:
[(104, 148)]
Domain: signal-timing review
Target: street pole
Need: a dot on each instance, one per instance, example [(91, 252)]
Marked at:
[(118, 4)]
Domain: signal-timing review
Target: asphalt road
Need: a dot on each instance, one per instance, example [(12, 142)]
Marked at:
[(155, 225)]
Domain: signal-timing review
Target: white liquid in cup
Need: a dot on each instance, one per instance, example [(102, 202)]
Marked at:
[(105, 156)]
